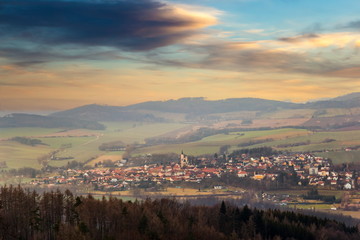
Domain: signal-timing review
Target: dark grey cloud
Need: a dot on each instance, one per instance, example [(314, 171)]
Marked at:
[(132, 25), (353, 25), (22, 56), (299, 38)]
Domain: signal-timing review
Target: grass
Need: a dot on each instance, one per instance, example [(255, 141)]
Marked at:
[(298, 192), (87, 148), (188, 148), (238, 137), (342, 139), (342, 156), (58, 142), (308, 113), (331, 112), (81, 148), (138, 132), (321, 206), (25, 132), (108, 156), (211, 144), (291, 113), (18, 155)]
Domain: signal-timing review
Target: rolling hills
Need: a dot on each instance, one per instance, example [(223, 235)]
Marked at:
[(195, 125), (201, 110)]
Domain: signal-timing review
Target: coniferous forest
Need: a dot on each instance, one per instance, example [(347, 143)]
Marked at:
[(26, 214)]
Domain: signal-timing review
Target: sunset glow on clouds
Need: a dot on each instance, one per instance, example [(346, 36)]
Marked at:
[(61, 54)]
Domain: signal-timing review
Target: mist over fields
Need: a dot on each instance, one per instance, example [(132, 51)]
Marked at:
[(195, 125)]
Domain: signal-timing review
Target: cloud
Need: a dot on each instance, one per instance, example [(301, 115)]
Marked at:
[(348, 72), (246, 57), (24, 56), (254, 31), (310, 54), (129, 25), (299, 38), (353, 25), (313, 41)]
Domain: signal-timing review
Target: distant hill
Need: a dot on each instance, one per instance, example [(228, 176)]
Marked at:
[(202, 106), (145, 111), (31, 120), (346, 101), (96, 112), (348, 97), (153, 111)]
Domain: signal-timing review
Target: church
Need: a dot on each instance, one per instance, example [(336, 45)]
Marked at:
[(184, 161)]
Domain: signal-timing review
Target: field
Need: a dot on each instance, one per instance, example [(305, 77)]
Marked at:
[(83, 145), (308, 113), (298, 192), (342, 156), (169, 192), (281, 139), (6, 133), (262, 123), (17, 155), (291, 113), (111, 157), (211, 144)]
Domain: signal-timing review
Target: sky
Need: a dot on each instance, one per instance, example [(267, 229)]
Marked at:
[(60, 54)]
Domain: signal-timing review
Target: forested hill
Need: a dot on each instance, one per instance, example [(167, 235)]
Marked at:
[(56, 215), (147, 111), (96, 112), (31, 120), (202, 106)]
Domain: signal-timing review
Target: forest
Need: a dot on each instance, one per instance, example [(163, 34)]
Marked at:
[(26, 214)]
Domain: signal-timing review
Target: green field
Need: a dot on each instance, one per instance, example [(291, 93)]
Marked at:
[(314, 141), (308, 113), (131, 133), (86, 146), (211, 144), (290, 113), (342, 156), (18, 155), (82, 148), (25, 132)]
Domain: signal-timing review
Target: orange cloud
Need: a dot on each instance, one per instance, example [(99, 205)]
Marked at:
[(352, 72), (310, 41)]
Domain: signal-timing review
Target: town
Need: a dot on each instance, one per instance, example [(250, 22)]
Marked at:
[(274, 171)]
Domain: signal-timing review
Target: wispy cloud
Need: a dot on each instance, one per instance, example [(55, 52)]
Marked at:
[(299, 38), (312, 54)]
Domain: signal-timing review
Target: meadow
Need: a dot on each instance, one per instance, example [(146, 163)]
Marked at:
[(212, 144), (280, 139), (17, 155), (6, 133), (83, 145)]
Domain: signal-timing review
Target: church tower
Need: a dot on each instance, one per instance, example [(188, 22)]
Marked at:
[(183, 160)]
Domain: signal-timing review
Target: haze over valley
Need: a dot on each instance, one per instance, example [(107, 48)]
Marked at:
[(177, 119)]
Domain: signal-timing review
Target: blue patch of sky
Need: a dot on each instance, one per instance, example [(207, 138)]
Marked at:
[(291, 16)]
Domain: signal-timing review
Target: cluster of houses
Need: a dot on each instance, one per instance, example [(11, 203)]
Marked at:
[(307, 169)]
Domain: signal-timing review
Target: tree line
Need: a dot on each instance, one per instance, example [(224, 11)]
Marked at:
[(26, 214), (27, 141)]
